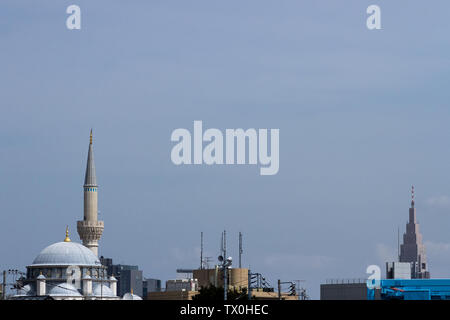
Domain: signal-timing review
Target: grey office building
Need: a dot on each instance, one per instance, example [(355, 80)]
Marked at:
[(346, 290), (129, 277), (151, 285)]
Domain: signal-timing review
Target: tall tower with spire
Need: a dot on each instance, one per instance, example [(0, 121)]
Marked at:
[(412, 250), (90, 229)]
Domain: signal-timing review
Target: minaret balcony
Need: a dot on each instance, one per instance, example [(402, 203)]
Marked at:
[(90, 230)]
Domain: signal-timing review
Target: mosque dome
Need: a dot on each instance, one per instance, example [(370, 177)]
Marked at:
[(66, 253), (64, 289), (131, 296), (102, 291)]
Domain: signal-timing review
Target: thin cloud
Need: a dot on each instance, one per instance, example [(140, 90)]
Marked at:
[(385, 253), (437, 248), (438, 256), (442, 201), (298, 261)]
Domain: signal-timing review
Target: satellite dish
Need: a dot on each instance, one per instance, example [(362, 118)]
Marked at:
[(220, 258)]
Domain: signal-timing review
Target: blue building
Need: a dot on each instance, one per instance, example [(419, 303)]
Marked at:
[(412, 289)]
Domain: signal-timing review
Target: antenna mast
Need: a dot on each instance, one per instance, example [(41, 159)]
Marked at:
[(201, 250), (398, 243), (224, 244), (240, 249), (221, 244)]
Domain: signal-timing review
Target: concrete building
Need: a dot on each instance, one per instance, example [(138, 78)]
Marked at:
[(350, 289), (171, 295), (398, 270), (179, 289), (108, 263), (182, 285), (150, 285), (237, 277), (188, 295), (260, 294), (186, 289), (90, 229), (129, 277), (412, 250)]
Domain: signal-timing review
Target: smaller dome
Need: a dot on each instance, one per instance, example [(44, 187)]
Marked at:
[(102, 290), (131, 296), (63, 289), (25, 291)]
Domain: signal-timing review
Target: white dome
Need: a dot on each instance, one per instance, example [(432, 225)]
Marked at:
[(106, 292), (63, 289), (66, 253), (131, 296)]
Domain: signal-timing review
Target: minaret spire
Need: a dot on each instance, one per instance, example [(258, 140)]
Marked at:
[(90, 179), (67, 239), (90, 229)]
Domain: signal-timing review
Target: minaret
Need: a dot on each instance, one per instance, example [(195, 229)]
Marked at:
[(412, 250), (90, 229)]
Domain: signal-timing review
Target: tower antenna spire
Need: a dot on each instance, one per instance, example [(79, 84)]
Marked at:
[(90, 138), (412, 196)]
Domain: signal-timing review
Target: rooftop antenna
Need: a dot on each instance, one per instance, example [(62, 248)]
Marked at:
[(201, 250), (207, 261), (398, 243), (240, 249), (224, 244), (221, 245)]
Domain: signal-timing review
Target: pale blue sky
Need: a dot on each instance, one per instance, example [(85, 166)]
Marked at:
[(362, 116)]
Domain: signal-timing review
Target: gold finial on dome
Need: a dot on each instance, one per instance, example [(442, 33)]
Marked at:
[(90, 138), (67, 239)]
